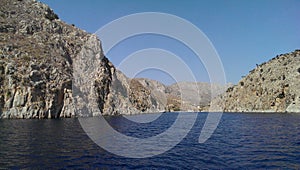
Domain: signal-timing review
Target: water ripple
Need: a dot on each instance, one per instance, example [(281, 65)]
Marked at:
[(251, 141)]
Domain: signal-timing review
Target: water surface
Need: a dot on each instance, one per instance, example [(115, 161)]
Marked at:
[(241, 141)]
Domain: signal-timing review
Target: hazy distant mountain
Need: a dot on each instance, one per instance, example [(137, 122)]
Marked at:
[(185, 96), (197, 93)]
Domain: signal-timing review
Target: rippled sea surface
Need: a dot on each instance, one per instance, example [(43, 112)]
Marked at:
[(241, 141)]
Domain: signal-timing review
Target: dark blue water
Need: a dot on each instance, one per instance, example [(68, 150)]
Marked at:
[(241, 141)]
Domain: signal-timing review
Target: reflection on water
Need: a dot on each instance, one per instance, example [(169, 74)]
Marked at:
[(241, 140)]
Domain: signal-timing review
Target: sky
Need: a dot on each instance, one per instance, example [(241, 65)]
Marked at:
[(244, 33)]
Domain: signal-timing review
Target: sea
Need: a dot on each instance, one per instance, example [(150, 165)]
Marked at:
[(240, 141)]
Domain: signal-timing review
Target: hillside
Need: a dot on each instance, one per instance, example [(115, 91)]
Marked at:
[(42, 61), (273, 86)]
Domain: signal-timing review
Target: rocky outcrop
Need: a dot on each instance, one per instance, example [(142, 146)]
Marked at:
[(157, 92), (36, 52), (273, 86), (45, 64), (130, 96)]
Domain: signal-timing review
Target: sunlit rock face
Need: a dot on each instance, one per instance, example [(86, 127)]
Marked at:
[(273, 86), (43, 60)]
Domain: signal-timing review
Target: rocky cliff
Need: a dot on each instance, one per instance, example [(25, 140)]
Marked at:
[(273, 86), (49, 69), (39, 57), (36, 54)]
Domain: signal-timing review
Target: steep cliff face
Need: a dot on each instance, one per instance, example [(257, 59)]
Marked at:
[(36, 54), (273, 86), (130, 96), (46, 64)]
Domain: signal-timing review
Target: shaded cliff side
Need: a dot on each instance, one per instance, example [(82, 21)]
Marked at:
[(273, 86)]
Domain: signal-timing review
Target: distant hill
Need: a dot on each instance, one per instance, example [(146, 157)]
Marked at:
[(183, 96), (197, 93), (273, 86)]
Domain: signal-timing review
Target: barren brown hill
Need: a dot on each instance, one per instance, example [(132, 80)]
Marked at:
[(273, 86)]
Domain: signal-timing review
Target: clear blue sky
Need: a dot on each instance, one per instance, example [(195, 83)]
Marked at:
[(244, 33)]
